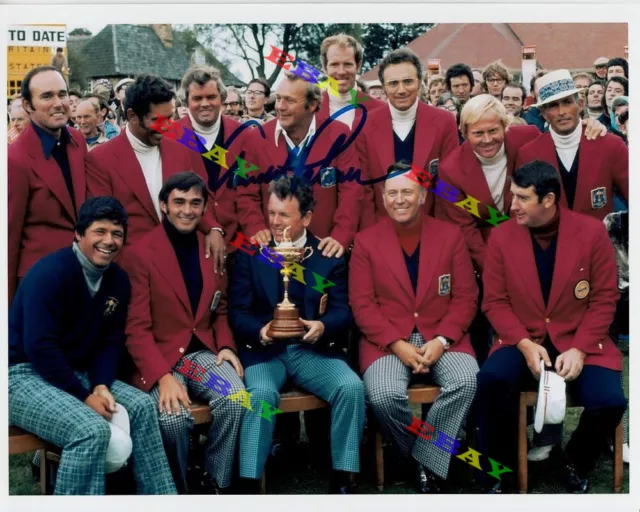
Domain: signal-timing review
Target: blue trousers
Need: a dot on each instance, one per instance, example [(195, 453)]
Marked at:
[(505, 374), (326, 376)]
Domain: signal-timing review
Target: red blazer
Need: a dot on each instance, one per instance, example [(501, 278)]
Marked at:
[(160, 321), (338, 205), (41, 216), (113, 170), (436, 136), (371, 104), (384, 304), (225, 197), (603, 163), (513, 299), (462, 170)]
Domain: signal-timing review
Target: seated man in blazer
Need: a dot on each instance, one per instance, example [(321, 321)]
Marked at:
[(551, 288), (414, 295), (66, 336), (313, 362), (178, 316)]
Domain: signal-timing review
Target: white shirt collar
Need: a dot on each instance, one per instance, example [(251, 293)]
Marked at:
[(299, 243), (305, 141)]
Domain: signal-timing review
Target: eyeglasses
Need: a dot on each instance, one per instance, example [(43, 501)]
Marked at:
[(450, 108), (232, 104), (495, 80), (254, 93), (407, 83)]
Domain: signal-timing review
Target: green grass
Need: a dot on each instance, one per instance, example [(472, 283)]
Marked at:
[(299, 474)]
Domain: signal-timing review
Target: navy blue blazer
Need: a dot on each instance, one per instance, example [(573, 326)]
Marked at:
[(253, 296), (57, 326)]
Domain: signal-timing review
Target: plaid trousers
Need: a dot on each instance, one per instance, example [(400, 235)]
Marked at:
[(326, 376), (61, 419), (387, 380), (223, 432)]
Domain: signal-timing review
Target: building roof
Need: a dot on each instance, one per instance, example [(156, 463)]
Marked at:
[(122, 50), (572, 46)]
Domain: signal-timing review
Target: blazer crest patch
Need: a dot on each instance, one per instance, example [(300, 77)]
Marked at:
[(328, 177), (444, 284), (433, 167), (598, 197), (110, 306)]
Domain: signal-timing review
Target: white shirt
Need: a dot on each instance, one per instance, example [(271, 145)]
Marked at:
[(280, 130), (402, 122), (299, 243), (209, 133), (151, 164), (567, 145), (336, 104), (495, 172)]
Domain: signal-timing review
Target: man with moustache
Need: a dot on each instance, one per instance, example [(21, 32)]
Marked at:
[(88, 118), (46, 175), (133, 166), (406, 130), (315, 361), (178, 314), (550, 281), (413, 296), (294, 146), (66, 335), (594, 95), (589, 169), (342, 56), (205, 93), (460, 82)]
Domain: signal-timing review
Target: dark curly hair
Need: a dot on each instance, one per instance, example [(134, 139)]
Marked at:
[(291, 186), (619, 61), (541, 175), (147, 89), (101, 208), (400, 56), (459, 70), (183, 181)]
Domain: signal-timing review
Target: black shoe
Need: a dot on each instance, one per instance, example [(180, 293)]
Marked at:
[(427, 482), (575, 483), (340, 482), (208, 485), (249, 486)]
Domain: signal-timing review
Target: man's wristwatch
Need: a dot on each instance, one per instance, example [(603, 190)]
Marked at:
[(443, 340)]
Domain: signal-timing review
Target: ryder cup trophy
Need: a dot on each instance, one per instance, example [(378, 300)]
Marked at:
[(286, 317)]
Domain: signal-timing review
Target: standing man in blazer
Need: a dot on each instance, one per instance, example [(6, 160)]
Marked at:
[(407, 130), (296, 143), (589, 169), (413, 295), (342, 56), (46, 175), (205, 92), (314, 362), (550, 283), (133, 166), (178, 313)]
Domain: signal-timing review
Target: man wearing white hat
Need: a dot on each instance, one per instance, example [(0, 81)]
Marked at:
[(589, 169), (550, 293), (376, 90), (600, 68)]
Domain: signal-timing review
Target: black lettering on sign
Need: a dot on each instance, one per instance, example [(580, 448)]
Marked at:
[(11, 35), (21, 35), (45, 36), (36, 35), (61, 37)]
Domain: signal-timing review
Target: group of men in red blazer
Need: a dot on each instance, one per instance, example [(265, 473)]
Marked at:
[(415, 318)]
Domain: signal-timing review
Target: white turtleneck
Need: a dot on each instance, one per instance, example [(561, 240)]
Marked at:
[(336, 104), (567, 145), (209, 133), (402, 122), (151, 164), (495, 172)]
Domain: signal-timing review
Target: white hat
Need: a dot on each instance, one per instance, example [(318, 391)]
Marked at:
[(123, 82), (554, 86), (552, 399), (374, 83), (120, 444)]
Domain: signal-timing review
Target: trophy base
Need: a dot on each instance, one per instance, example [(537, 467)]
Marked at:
[(286, 324)]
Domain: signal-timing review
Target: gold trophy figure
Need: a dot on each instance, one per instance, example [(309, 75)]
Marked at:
[(286, 317)]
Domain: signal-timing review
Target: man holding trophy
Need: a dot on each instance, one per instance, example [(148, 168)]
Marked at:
[(301, 339)]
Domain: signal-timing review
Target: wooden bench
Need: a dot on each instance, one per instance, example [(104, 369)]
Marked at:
[(529, 399), (291, 400), (418, 394)]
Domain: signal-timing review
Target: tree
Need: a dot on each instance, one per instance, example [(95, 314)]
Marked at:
[(80, 32), (381, 38)]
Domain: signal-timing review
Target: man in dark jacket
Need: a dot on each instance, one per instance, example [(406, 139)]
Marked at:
[(66, 334)]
